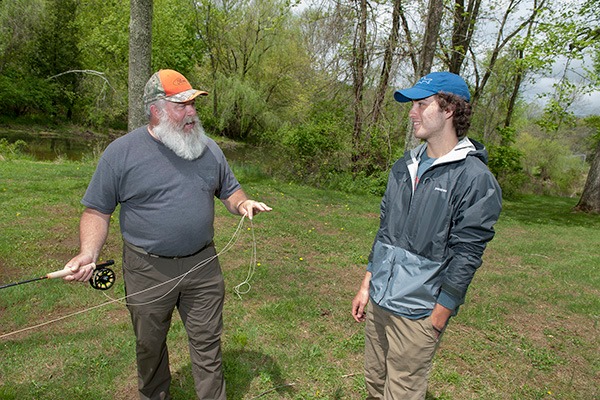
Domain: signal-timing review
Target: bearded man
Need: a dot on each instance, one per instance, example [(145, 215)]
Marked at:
[(165, 177)]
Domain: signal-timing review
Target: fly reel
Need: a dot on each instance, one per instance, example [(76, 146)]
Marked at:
[(103, 277)]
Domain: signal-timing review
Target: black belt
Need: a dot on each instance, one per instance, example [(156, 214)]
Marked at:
[(144, 252)]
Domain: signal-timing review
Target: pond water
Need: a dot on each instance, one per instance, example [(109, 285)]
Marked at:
[(49, 146)]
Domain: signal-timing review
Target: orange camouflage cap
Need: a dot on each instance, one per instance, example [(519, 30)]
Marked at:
[(170, 85)]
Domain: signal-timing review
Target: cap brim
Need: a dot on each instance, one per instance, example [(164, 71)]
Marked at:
[(186, 96), (406, 95)]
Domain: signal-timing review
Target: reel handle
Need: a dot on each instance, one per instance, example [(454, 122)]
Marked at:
[(61, 273)]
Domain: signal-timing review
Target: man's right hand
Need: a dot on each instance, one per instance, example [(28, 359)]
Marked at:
[(82, 268), (359, 303)]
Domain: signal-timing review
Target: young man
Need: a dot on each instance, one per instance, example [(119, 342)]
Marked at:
[(165, 176), (437, 215)]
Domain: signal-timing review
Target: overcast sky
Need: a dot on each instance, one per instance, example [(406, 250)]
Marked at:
[(587, 105)]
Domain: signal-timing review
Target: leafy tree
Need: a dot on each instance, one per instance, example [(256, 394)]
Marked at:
[(463, 28), (19, 20), (324, 74), (387, 62), (104, 49), (251, 57), (174, 37), (491, 114), (557, 112), (38, 40), (574, 33), (57, 52)]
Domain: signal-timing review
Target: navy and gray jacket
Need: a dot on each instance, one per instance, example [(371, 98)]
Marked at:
[(432, 234)]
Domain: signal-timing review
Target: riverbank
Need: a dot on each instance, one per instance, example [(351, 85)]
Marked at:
[(48, 143), (63, 131)]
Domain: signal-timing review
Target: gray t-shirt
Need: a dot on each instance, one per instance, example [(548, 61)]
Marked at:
[(167, 202), (424, 164)]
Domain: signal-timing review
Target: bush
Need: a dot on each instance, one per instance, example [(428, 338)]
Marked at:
[(359, 183), (316, 150), (242, 114), (551, 168), (10, 151), (505, 163), (20, 95)]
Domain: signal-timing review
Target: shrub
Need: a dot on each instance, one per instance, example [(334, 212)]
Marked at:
[(505, 163), (10, 151), (315, 150), (551, 168), (25, 94)]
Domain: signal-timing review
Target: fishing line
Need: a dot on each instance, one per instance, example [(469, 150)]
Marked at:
[(180, 278), (246, 283)]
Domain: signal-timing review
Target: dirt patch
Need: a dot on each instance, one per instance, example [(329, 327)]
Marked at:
[(10, 273), (127, 389)]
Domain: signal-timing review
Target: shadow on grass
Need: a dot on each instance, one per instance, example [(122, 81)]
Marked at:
[(241, 368), (538, 210)]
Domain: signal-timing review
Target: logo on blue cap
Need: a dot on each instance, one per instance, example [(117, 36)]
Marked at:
[(434, 83)]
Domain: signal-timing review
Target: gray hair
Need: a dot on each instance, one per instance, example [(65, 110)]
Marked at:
[(160, 104)]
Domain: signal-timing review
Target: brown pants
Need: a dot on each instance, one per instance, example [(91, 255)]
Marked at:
[(199, 299), (398, 355)]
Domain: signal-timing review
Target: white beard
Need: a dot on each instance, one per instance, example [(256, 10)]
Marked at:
[(188, 146)]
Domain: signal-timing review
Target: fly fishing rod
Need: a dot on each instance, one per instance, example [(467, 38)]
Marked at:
[(102, 279)]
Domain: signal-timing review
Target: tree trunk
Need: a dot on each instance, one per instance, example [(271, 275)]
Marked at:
[(514, 95), (358, 73), (435, 12), (140, 59), (388, 59), (462, 32), (590, 198)]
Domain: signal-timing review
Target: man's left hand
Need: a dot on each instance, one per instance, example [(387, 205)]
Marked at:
[(439, 317), (251, 208)]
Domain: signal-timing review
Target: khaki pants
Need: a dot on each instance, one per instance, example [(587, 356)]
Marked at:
[(199, 299), (398, 355)]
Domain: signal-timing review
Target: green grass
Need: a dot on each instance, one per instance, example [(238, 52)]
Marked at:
[(529, 328)]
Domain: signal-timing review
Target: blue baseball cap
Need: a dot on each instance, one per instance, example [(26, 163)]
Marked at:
[(434, 83)]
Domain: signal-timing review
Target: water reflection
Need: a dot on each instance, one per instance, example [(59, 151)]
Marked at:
[(47, 146)]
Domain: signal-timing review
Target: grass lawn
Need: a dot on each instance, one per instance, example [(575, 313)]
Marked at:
[(529, 329)]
